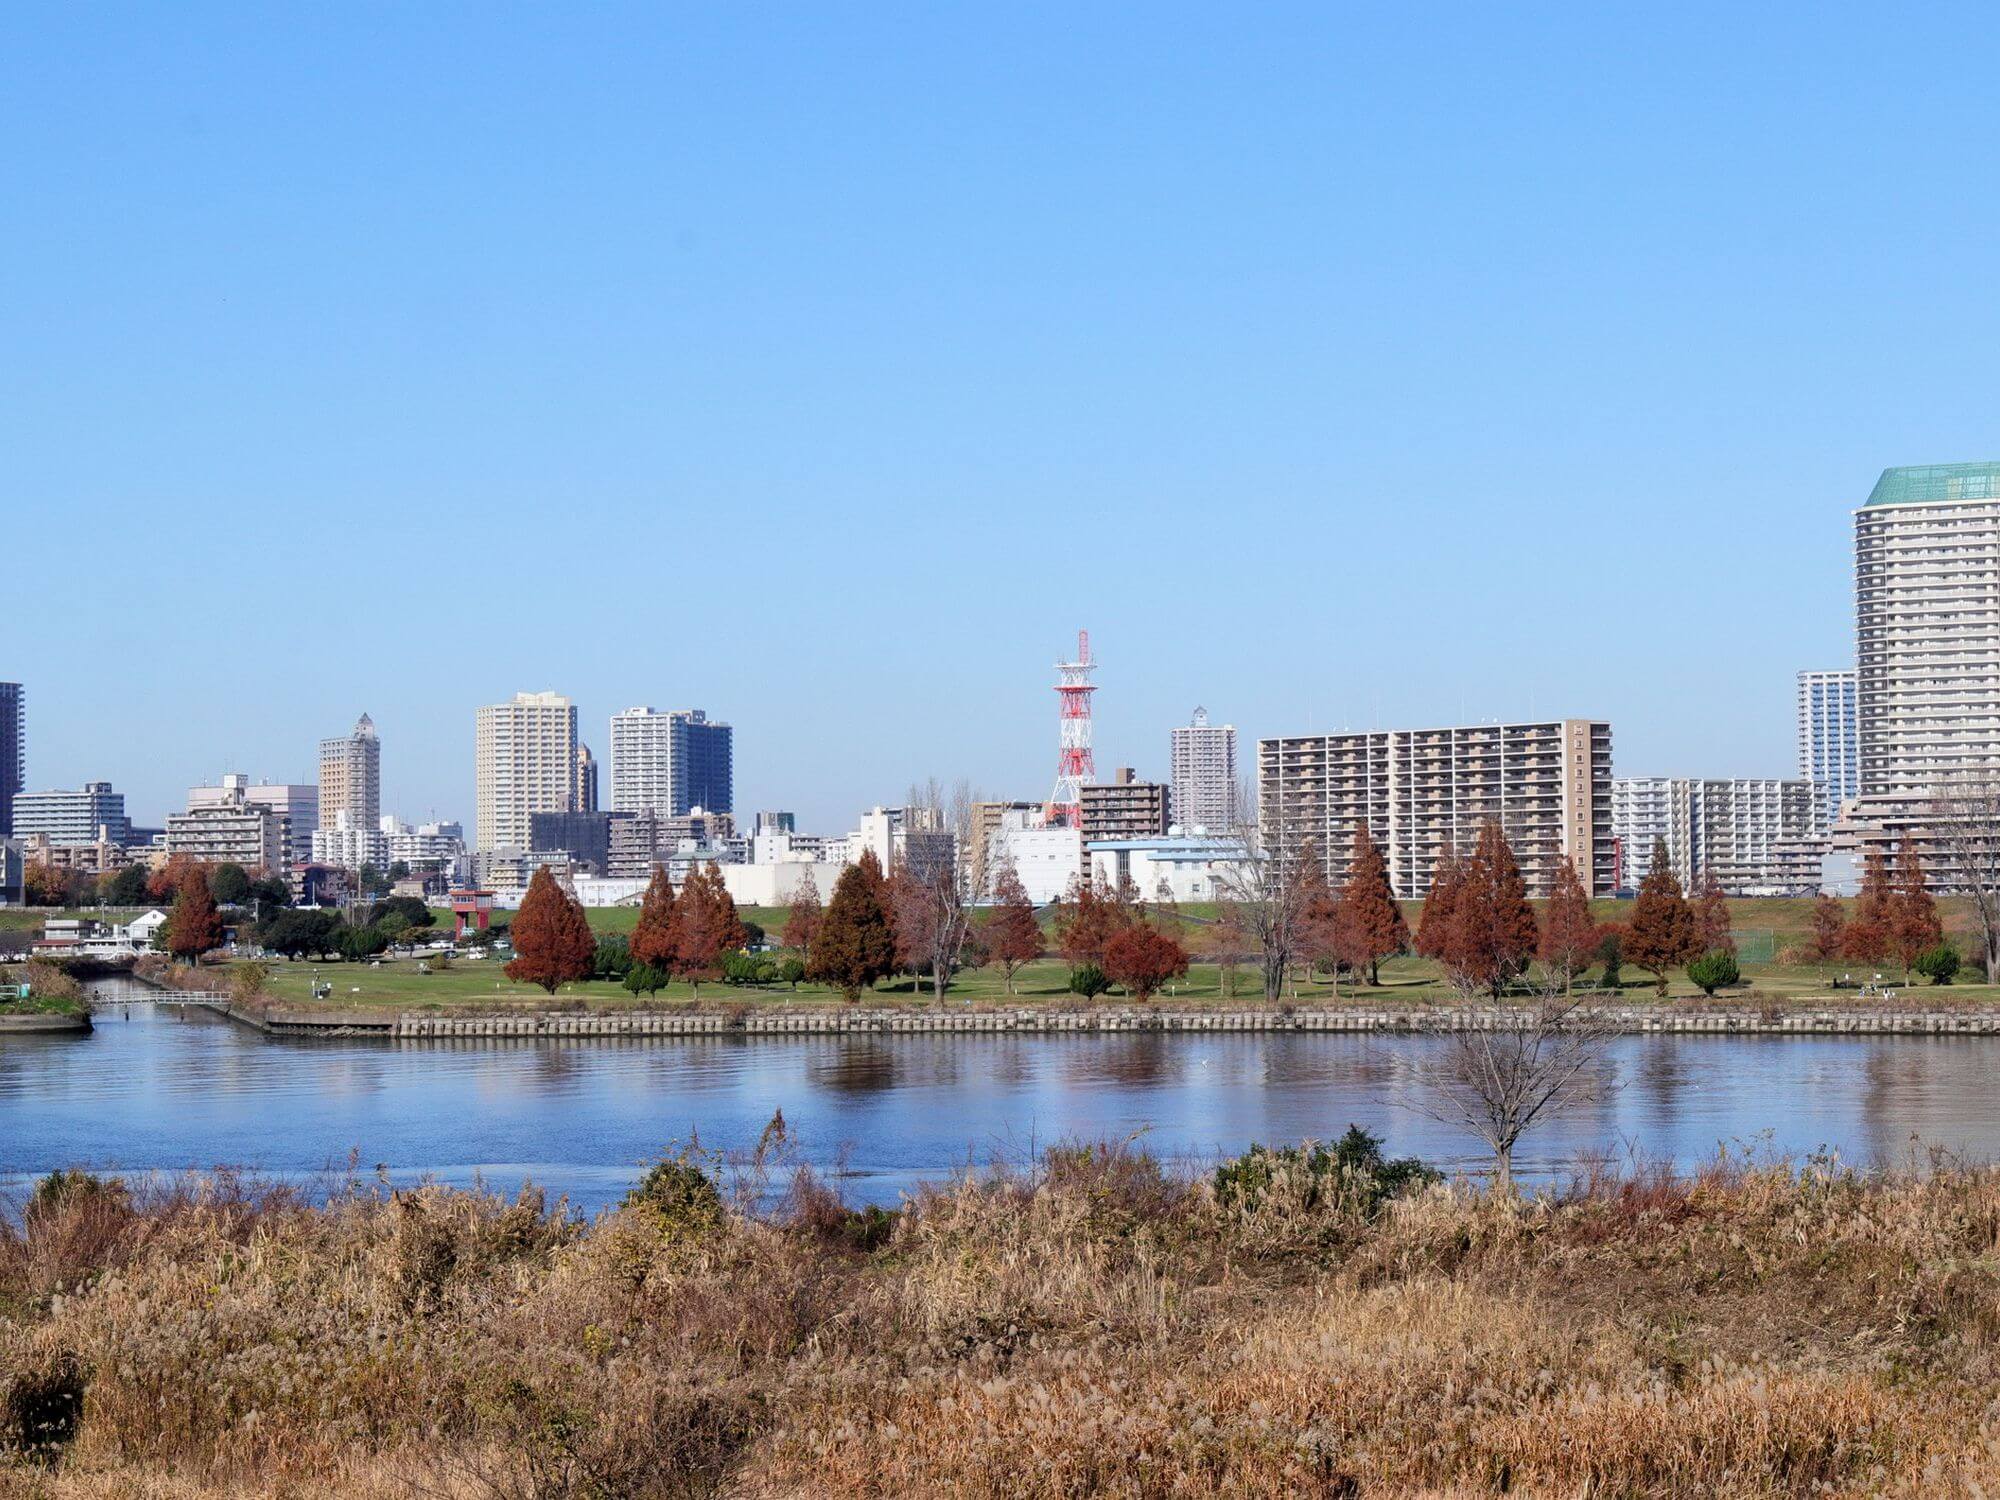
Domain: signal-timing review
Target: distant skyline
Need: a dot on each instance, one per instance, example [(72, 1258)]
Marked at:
[(827, 368)]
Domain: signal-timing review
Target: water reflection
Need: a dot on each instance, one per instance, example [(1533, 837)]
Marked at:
[(165, 1088)]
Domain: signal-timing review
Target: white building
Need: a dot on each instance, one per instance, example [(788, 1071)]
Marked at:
[(350, 777), (1758, 836), (1204, 775), (1927, 617), (1177, 868), (350, 846), (295, 806), (913, 836), (524, 762), (433, 843), (84, 816), (1047, 859), (1829, 738)]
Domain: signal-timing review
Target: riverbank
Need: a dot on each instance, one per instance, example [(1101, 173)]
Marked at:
[(1926, 1014), (1093, 1325)]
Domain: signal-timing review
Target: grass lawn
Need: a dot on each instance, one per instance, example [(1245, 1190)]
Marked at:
[(396, 983)]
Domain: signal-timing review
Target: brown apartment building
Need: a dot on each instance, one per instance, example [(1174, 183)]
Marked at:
[(1126, 808), (1424, 790)]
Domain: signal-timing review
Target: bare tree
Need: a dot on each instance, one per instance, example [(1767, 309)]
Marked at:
[(1261, 893), (1500, 1083), (950, 877), (1965, 822)]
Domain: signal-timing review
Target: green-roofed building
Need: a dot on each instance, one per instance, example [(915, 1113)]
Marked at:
[(1927, 616), (1935, 484)]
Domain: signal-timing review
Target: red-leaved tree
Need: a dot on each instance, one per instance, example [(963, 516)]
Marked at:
[(802, 921), (1368, 924), (1142, 958), (1569, 934), (1012, 936), (1711, 917), (855, 944), (1870, 931), (1662, 932), (194, 925), (1913, 914), (1829, 928), (553, 944), (652, 940), (705, 926)]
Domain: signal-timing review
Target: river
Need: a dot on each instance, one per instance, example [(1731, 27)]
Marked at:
[(162, 1088)]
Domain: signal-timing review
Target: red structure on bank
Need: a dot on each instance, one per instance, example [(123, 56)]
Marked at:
[(1075, 766)]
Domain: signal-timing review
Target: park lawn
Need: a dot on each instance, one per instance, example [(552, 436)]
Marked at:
[(398, 984)]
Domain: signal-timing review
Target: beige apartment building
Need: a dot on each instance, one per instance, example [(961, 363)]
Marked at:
[(1126, 808), (350, 778), (524, 762), (1422, 791)]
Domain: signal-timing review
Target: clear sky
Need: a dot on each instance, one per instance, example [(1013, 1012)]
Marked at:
[(826, 366)]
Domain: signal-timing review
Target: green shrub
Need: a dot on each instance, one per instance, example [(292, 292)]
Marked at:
[(1938, 964), (644, 979), (1088, 981), (1351, 1173), (614, 957), (684, 1197), (1713, 970), (792, 970)]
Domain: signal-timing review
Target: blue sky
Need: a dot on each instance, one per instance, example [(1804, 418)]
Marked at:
[(826, 366)]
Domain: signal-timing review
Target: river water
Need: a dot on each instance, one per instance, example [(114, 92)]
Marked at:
[(161, 1088)]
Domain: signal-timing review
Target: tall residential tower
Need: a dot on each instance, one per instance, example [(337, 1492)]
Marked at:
[(671, 763), (1829, 746), (350, 778), (1204, 775), (524, 762), (13, 751)]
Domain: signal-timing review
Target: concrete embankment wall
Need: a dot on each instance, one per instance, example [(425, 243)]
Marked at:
[(14, 1025), (1037, 1022)]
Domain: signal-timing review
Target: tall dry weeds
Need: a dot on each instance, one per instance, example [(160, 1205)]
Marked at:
[(1094, 1324)]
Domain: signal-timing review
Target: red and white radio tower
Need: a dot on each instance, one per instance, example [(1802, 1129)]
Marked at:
[(1074, 766)]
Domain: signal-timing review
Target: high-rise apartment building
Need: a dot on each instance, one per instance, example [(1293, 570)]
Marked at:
[(1927, 627), (670, 763), (70, 818), (1758, 836), (1829, 738), (13, 751), (586, 780), (1125, 808), (350, 778), (1203, 770), (1422, 791), (524, 762)]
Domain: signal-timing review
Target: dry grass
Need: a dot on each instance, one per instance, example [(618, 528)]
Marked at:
[(1095, 1327)]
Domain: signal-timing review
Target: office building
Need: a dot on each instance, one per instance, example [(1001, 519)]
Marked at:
[(1125, 808), (350, 777), (13, 751), (231, 829), (524, 762), (586, 780), (1422, 791), (295, 806), (1203, 773), (670, 763), (91, 813), (1758, 836), (584, 836), (1829, 738)]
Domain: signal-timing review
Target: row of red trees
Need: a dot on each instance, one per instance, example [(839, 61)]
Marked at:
[(1892, 918), (878, 924)]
